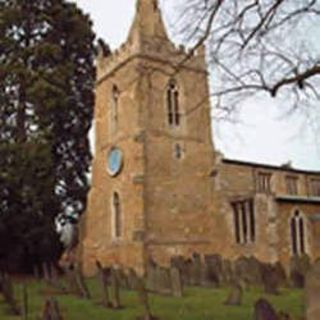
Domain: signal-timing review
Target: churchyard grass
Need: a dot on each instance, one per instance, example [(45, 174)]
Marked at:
[(197, 303)]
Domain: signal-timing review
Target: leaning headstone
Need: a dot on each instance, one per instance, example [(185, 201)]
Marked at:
[(176, 282), (263, 310), (103, 281), (115, 288), (235, 296), (312, 292)]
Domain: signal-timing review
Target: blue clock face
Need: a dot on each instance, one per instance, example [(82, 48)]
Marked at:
[(115, 161)]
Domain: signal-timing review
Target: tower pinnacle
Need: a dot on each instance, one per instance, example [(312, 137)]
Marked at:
[(148, 21)]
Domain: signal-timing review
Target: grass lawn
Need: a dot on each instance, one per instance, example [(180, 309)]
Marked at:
[(197, 304)]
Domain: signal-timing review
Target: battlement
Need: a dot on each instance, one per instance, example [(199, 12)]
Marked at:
[(108, 60)]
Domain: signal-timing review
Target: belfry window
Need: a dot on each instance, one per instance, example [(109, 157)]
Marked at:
[(244, 221), (315, 187), (292, 185), (114, 109), (297, 232), (173, 108), (263, 182), (116, 216)]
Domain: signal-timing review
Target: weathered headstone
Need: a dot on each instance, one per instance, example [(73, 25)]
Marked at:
[(103, 280), (213, 270), (299, 267), (312, 292), (235, 296), (270, 279), (227, 272), (248, 270), (132, 279), (195, 270), (158, 279), (115, 288), (176, 282), (263, 310)]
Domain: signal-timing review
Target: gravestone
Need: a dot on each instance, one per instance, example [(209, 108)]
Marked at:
[(158, 279), (213, 270), (312, 292), (235, 296), (299, 267), (248, 270), (270, 279), (132, 280), (176, 282), (195, 270), (179, 262), (51, 310), (123, 279), (280, 274), (227, 272), (103, 281), (144, 300), (115, 290), (263, 310)]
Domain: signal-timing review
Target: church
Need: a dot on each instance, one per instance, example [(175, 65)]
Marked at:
[(159, 187)]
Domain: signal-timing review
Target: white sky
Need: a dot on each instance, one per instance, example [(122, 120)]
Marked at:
[(260, 136)]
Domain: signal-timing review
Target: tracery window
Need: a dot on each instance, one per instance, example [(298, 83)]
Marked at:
[(315, 187), (292, 185)]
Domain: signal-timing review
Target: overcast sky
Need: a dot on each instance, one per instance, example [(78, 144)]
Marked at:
[(262, 135)]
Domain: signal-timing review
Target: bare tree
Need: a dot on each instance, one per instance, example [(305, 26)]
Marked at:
[(256, 46)]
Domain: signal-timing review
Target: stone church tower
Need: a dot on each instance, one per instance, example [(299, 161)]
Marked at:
[(151, 195)]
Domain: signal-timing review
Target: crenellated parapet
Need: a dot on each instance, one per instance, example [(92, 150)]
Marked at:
[(156, 50)]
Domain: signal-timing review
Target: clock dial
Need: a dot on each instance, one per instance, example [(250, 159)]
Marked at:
[(115, 161)]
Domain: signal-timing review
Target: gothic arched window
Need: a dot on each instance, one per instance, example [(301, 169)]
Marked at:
[(116, 211), (297, 232), (173, 108), (114, 109), (244, 221)]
